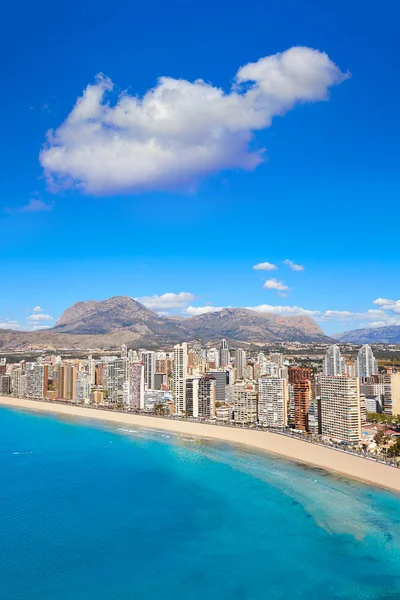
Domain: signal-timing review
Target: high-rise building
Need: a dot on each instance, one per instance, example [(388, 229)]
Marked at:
[(37, 379), (149, 362), (245, 403), (207, 396), (212, 357), (192, 397), (333, 363), (391, 396), (221, 377), (276, 358), (224, 356), (300, 396), (135, 399), (124, 351), (82, 388), (180, 375), (240, 363), (115, 376), (341, 408), (272, 401), (366, 364), (18, 382)]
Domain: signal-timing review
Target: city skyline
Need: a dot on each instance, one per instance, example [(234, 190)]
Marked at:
[(306, 201)]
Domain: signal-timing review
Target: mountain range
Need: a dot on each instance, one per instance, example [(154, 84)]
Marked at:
[(389, 334), (123, 320)]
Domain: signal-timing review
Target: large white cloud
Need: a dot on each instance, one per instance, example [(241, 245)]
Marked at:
[(389, 305), (168, 300), (179, 130)]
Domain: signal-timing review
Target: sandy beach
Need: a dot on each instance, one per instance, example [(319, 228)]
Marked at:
[(337, 462)]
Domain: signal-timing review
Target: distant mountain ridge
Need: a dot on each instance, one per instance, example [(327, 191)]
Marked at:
[(123, 320), (389, 334)]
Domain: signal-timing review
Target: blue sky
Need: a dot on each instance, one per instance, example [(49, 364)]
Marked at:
[(86, 218)]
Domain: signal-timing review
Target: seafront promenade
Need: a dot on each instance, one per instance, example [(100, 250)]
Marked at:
[(315, 455)]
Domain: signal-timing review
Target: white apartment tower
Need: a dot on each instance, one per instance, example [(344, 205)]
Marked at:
[(341, 408), (333, 364), (366, 363), (272, 401), (240, 363), (180, 375)]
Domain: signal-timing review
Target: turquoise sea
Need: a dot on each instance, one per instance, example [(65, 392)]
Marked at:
[(90, 511)]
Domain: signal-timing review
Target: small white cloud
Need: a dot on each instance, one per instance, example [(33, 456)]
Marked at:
[(274, 284), (37, 327), (39, 317), (194, 311), (265, 266), (37, 309), (179, 131), (168, 300), (284, 311), (377, 324), (293, 265), (162, 313)]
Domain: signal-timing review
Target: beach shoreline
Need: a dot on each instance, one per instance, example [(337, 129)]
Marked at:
[(330, 460)]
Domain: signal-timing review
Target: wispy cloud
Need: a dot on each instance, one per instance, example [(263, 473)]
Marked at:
[(34, 205), (293, 265)]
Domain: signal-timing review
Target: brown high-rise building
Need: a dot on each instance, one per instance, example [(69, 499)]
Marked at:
[(302, 397), (299, 379), (66, 377), (297, 374)]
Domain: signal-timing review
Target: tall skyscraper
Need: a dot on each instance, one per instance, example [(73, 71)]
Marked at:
[(180, 375), (207, 396), (192, 397), (366, 363), (240, 363), (341, 408), (300, 396), (115, 375), (124, 351), (272, 401), (333, 363), (149, 363), (135, 397), (224, 356)]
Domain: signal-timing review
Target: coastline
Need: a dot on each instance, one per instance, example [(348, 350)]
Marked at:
[(339, 463)]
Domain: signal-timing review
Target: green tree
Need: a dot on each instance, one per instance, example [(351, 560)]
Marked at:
[(395, 449)]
